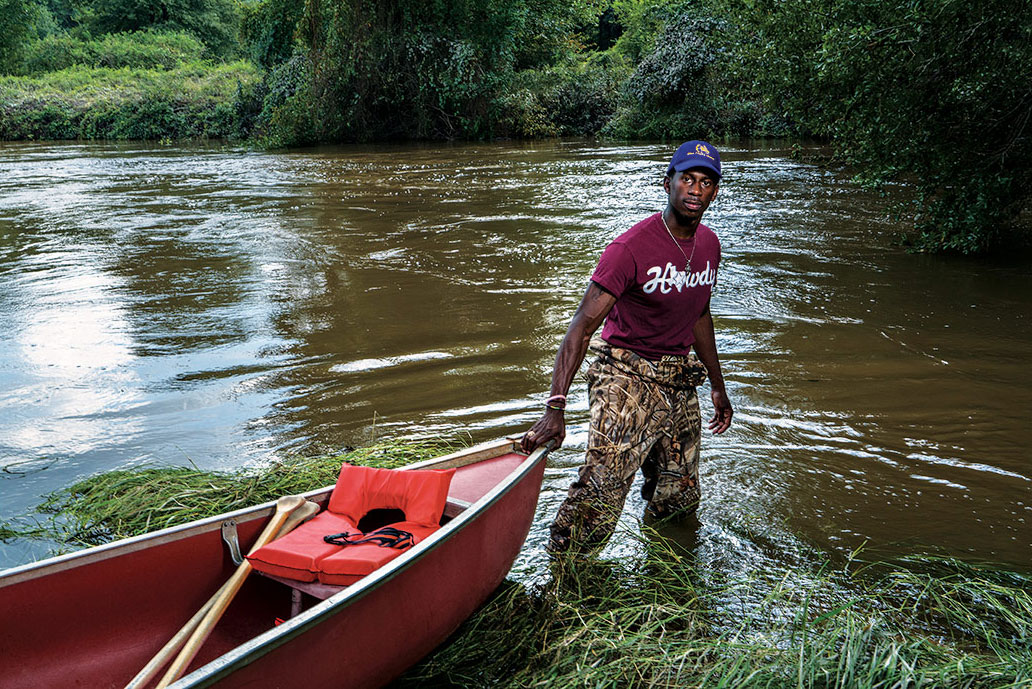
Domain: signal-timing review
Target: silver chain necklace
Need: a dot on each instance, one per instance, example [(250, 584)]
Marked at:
[(687, 258)]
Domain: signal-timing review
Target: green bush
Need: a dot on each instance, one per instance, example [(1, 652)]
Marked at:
[(584, 97), (408, 69), (673, 68), (521, 114), (39, 121), (574, 98), (138, 50), (682, 86), (641, 21), (193, 101), (286, 116)]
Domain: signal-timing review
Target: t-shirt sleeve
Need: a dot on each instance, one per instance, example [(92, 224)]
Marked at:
[(615, 272)]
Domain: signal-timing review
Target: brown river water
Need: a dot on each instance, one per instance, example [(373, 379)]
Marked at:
[(219, 306)]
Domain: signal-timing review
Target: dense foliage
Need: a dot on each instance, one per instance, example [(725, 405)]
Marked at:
[(417, 69), (268, 28), (16, 21), (142, 50), (936, 92), (930, 93), (214, 22)]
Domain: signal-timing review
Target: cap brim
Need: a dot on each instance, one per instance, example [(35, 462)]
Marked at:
[(696, 164)]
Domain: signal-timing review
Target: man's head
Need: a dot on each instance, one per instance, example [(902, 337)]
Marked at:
[(691, 181)]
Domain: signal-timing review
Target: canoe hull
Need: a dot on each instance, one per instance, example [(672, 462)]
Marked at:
[(401, 618), (93, 619)]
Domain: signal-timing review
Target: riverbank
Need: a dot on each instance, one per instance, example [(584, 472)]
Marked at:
[(194, 100), (659, 619)]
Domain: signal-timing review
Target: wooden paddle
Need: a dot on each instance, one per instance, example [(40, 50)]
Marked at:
[(302, 514), (200, 625), (297, 517)]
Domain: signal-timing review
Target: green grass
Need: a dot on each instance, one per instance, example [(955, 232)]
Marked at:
[(665, 621), (193, 100), (123, 503), (92, 85)]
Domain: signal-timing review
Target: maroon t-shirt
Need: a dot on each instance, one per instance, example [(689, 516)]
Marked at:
[(657, 303)]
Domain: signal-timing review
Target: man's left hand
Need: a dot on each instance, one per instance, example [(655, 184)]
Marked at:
[(722, 412)]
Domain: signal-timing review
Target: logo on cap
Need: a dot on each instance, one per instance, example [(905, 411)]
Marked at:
[(700, 149)]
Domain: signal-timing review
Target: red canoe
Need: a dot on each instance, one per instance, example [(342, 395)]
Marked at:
[(95, 617)]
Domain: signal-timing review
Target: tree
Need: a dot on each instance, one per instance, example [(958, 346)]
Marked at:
[(16, 26), (214, 22), (268, 29), (932, 92), (420, 68)]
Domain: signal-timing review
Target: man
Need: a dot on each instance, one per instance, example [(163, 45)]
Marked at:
[(652, 286)]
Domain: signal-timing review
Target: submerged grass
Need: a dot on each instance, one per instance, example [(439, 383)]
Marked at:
[(123, 503), (666, 622)]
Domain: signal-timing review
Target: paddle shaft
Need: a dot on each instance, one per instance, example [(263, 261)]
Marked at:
[(301, 514), (284, 506)]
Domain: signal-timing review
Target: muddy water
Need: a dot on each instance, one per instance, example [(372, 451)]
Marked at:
[(217, 306)]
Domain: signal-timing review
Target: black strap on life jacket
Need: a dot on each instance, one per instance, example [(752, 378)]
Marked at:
[(387, 537)]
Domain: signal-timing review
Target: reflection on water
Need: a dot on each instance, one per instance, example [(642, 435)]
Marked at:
[(218, 306)]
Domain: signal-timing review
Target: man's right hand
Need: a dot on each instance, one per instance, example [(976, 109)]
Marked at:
[(551, 425)]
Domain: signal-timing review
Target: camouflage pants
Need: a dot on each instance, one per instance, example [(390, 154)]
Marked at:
[(644, 414)]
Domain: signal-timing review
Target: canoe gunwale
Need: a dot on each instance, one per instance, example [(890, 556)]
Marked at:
[(78, 558), (271, 639), (124, 546)]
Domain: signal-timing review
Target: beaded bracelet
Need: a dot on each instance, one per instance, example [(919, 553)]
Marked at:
[(557, 402)]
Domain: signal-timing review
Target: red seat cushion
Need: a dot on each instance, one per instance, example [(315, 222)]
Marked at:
[(352, 562), (419, 494), (297, 555), (302, 554)]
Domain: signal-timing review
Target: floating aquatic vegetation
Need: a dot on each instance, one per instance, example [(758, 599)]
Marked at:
[(129, 502), (665, 622)]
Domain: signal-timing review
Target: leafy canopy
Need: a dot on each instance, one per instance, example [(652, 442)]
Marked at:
[(934, 92)]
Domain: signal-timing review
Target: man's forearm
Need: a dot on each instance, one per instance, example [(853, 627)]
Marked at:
[(593, 309), (570, 356), (706, 349)]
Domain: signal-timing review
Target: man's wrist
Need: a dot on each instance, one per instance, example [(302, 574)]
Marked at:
[(556, 403)]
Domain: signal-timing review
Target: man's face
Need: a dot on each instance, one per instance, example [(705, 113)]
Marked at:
[(690, 193)]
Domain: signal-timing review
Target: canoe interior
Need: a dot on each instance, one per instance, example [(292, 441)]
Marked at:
[(96, 623)]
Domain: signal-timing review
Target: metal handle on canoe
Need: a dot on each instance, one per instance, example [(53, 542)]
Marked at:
[(229, 535)]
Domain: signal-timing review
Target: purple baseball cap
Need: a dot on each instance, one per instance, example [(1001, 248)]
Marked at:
[(693, 154)]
